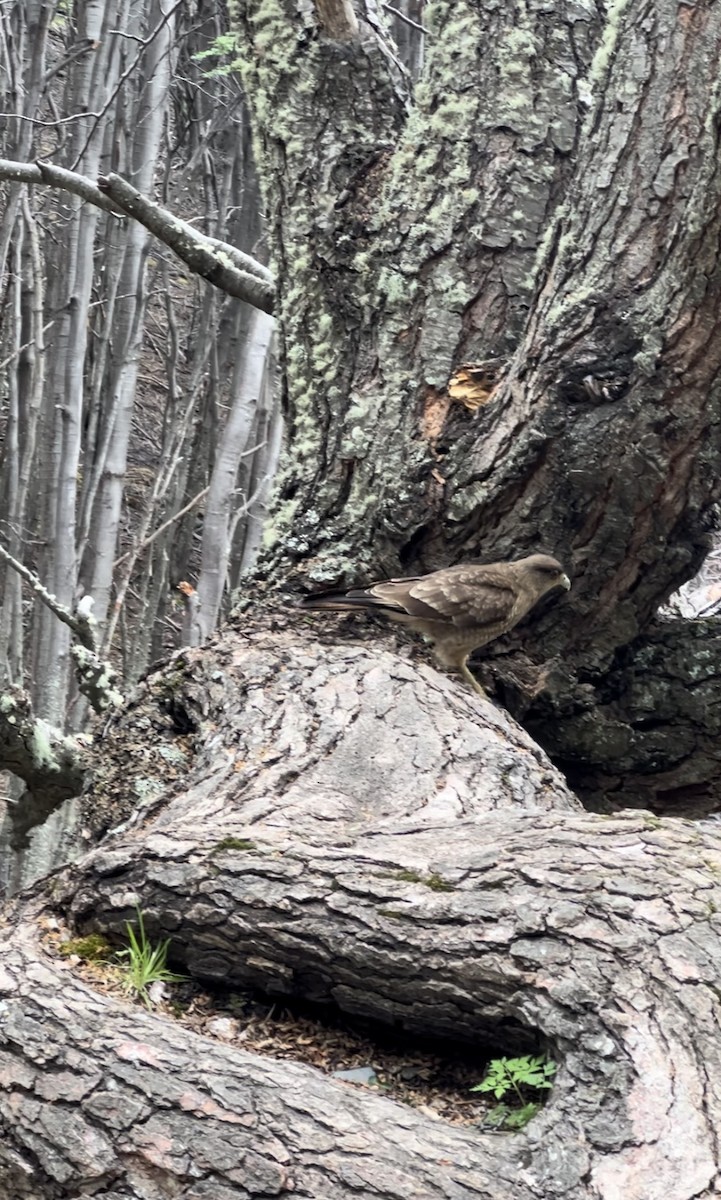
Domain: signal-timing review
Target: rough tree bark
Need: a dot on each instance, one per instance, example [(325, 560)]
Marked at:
[(410, 247), (341, 822), (470, 898)]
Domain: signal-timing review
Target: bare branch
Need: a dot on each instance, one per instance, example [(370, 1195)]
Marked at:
[(406, 19), (21, 349), (161, 528), (77, 51), (41, 172), (227, 268), (165, 18), (222, 265), (82, 624)]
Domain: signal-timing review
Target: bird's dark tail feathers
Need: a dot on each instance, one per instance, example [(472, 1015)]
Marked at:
[(353, 601)]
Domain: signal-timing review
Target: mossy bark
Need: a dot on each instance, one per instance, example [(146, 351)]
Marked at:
[(546, 202), (404, 233)]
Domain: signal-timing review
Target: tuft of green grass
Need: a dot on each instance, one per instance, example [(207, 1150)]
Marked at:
[(515, 1078), (146, 964)]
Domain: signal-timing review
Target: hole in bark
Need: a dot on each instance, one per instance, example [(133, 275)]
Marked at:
[(183, 721), (649, 723), (411, 550), (435, 1074)]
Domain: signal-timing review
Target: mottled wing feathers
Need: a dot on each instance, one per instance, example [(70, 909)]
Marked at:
[(458, 597), (465, 596), (462, 596), (458, 608)]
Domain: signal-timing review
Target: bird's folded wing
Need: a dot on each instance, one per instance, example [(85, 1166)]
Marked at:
[(464, 597)]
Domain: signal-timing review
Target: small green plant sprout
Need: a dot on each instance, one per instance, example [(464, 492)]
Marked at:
[(515, 1078), (146, 964)]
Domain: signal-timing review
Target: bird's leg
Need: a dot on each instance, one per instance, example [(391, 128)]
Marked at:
[(470, 678)]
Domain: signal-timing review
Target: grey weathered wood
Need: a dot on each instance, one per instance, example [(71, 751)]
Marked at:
[(102, 1098), (413, 857)]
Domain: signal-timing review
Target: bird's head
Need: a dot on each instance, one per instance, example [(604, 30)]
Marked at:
[(545, 572)]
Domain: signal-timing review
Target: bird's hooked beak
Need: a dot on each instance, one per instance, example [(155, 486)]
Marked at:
[(565, 582)]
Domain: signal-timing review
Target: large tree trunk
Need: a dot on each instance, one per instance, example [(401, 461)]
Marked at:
[(445, 883), (336, 821), (420, 251)]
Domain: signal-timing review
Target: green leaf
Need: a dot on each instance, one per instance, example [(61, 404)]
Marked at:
[(505, 1075), (496, 1116), (518, 1117)]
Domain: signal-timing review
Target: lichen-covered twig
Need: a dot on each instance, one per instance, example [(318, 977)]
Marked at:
[(52, 765), (97, 679)]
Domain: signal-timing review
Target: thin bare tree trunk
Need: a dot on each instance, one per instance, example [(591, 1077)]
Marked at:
[(90, 77), (144, 122), (259, 478), (233, 442)]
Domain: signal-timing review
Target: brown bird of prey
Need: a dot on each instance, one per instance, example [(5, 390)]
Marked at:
[(457, 608)]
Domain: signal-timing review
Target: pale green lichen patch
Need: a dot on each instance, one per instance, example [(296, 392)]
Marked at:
[(147, 789), (396, 268), (44, 742), (172, 754), (609, 41)]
